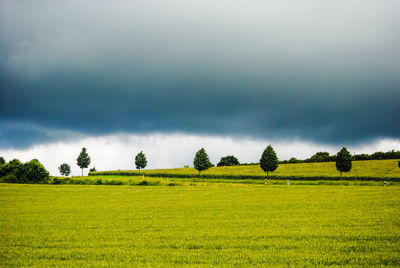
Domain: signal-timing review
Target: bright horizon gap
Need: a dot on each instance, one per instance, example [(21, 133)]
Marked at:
[(117, 151)]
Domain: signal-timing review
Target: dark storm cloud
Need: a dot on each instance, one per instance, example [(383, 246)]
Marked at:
[(321, 71)]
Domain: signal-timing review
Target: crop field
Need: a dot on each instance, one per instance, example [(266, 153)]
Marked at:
[(369, 168), (95, 225), (171, 181)]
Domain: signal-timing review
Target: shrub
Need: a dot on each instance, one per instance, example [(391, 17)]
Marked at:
[(114, 182), (30, 172), (11, 178), (294, 160), (56, 181), (2, 170), (14, 167), (229, 160), (143, 183), (320, 157), (35, 172)]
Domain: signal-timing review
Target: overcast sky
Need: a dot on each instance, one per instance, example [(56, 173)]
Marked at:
[(169, 77)]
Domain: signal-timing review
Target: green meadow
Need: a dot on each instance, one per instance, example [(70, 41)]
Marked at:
[(368, 168), (213, 225)]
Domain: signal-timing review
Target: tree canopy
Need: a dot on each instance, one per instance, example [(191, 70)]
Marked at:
[(35, 171), (229, 160), (201, 161), (320, 157), (343, 161), (140, 160), (83, 160), (29, 172), (269, 160), (64, 169)]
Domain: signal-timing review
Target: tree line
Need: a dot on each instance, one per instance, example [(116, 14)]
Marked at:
[(231, 160), (17, 172), (269, 161), (34, 172), (83, 161), (325, 157)]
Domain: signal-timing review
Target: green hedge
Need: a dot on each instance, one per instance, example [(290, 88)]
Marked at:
[(99, 181), (12, 178), (241, 177), (56, 180)]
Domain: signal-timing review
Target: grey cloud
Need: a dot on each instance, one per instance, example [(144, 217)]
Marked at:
[(321, 71)]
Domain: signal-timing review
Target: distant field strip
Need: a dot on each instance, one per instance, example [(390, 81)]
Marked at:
[(92, 226), (362, 170), (159, 181)]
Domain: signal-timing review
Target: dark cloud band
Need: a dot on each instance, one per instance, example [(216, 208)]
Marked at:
[(331, 79)]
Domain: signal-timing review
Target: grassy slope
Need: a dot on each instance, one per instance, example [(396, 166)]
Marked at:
[(371, 168), (159, 181), (46, 225)]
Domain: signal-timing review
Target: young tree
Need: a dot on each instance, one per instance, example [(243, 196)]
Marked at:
[(2, 160), (229, 160), (64, 169), (140, 160), (201, 161), (83, 160), (268, 161), (343, 161)]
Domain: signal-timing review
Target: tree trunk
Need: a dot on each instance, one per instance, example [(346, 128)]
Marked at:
[(82, 172), (199, 173)]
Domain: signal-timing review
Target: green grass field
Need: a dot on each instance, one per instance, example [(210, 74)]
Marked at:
[(370, 168), (159, 181), (74, 225)]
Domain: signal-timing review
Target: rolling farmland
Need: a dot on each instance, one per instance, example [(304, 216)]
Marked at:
[(369, 168), (207, 221), (72, 225)]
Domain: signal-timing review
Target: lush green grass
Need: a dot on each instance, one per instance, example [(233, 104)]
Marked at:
[(369, 168), (73, 225), (158, 181)]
